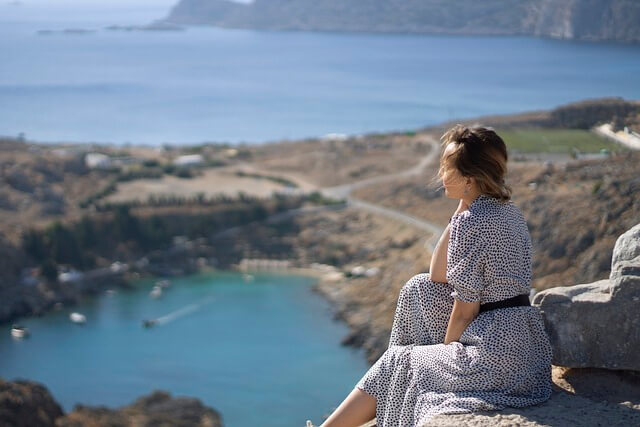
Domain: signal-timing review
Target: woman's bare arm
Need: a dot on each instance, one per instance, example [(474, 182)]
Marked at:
[(438, 267), (461, 316)]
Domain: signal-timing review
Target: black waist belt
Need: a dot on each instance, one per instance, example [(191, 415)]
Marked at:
[(517, 301)]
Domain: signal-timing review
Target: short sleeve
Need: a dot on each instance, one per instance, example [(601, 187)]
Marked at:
[(466, 260)]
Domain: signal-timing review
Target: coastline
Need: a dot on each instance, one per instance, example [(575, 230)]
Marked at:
[(348, 239)]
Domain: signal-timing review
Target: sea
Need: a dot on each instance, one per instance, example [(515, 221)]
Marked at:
[(241, 86), (262, 352)]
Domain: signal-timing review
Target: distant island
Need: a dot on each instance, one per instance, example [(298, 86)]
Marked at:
[(592, 20), (65, 31), (154, 26)]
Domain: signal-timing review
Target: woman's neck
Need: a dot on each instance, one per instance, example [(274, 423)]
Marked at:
[(470, 197)]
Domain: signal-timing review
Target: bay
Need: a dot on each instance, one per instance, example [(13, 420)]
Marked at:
[(264, 352)]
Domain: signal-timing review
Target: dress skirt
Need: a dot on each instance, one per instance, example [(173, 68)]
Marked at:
[(502, 359)]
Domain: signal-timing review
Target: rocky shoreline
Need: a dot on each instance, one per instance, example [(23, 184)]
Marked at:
[(25, 403), (36, 291), (40, 298)]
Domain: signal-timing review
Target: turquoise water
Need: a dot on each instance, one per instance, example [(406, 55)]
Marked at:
[(263, 353), (213, 84)]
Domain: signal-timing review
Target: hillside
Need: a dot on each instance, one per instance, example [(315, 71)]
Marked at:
[(579, 19), (59, 211)]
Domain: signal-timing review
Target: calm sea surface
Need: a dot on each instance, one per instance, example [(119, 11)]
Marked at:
[(263, 353), (212, 84)]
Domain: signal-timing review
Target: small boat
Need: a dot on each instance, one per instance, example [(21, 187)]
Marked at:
[(164, 283), (147, 323), (18, 331), (156, 292), (77, 317), (247, 277)]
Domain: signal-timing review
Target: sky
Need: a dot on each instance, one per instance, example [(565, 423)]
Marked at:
[(85, 13), (81, 12), (106, 5), (102, 3)]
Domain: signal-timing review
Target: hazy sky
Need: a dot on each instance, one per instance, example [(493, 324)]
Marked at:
[(46, 13), (100, 2), (162, 3), (89, 4), (86, 11)]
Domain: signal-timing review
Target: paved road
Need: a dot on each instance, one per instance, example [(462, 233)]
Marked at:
[(344, 192)]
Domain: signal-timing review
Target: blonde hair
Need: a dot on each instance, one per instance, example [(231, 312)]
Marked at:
[(480, 153)]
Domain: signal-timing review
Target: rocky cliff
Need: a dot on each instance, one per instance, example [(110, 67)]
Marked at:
[(596, 324), (30, 404), (573, 19)]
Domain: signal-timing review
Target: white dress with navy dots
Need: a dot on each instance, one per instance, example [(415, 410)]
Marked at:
[(503, 358)]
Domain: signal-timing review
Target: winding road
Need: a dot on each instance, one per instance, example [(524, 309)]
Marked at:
[(344, 192)]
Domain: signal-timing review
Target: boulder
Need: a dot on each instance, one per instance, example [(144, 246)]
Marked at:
[(598, 324), (156, 409), (626, 253), (26, 403)]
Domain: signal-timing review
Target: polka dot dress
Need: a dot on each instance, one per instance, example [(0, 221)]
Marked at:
[(503, 358)]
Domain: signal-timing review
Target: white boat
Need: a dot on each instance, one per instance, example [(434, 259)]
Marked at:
[(247, 277), (77, 317), (18, 331), (164, 283), (156, 292)]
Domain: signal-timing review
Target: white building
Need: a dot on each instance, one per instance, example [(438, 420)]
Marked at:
[(188, 160), (97, 161)]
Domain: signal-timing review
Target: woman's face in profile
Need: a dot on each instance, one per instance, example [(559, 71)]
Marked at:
[(452, 180)]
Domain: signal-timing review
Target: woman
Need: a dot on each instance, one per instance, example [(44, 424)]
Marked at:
[(464, 337)]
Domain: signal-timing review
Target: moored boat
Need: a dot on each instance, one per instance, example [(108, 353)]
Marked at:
[(76, 317), (19, 331), (156, 292)]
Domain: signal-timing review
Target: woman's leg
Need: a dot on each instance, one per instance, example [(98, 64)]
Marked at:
[(422, 312), (421, 317), (356, 409)]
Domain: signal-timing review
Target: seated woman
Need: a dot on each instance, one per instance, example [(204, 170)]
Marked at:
[(464, 337)]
